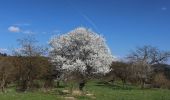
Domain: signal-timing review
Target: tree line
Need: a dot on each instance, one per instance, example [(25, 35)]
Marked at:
[(78, 56)]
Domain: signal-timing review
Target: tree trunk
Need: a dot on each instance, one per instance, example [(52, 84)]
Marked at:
[(3, 85), (82, 85), (142, 83), (71, 88), (58, 83), (48, 83), (24, 85), (124, 83)]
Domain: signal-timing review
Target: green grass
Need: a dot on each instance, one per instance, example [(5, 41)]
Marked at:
[(13, 95), (101, 92), (108, 92)]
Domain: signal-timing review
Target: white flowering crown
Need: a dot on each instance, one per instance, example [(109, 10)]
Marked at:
[(81, 50)]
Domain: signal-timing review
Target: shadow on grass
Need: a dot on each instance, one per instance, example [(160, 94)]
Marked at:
[(116, 86), (60, 86)]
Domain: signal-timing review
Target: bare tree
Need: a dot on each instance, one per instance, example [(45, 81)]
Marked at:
[(142, 72), (142, 59), (148, 54), (30, 57)]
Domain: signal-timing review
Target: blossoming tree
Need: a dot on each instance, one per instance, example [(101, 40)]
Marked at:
[(81, 50)]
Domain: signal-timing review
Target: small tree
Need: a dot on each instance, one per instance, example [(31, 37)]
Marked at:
[(142, 59), (121, 71), (29, 62), (81, 51), (142, 72), (148, 54)]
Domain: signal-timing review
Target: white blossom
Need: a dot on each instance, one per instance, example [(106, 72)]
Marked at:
[(79, 49)]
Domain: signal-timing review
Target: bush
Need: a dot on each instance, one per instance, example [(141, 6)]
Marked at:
[(161, 81), (38, 84)]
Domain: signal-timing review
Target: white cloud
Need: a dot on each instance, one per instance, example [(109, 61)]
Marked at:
[(14, 29), (18, 49), (3, 50), (28, 32), (51, 32)]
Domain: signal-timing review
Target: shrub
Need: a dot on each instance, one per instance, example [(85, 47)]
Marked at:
[(160, 80)]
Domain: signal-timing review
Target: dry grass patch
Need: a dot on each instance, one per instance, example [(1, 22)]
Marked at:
[(70, 98), (77, 93)]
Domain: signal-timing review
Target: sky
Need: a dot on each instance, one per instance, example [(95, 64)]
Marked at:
[(125, 24)]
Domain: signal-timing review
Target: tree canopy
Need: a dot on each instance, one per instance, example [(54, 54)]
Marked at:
[(81, 50)]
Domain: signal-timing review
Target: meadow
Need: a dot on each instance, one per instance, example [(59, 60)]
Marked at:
[(98, 91)]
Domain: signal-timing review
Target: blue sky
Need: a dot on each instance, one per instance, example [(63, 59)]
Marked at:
[(125, 24)]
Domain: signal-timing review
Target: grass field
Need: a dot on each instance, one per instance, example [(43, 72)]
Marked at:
[(100, 91)]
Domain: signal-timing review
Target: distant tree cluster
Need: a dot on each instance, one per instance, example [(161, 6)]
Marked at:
[(141, 67), (3, 54), (27, 66)]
